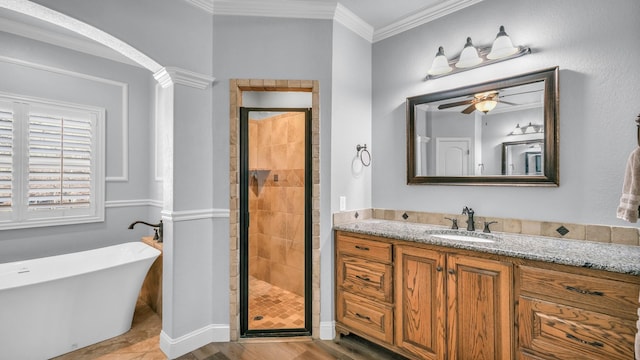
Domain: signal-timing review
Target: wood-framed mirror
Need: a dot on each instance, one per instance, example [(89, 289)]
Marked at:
[(501, 132)]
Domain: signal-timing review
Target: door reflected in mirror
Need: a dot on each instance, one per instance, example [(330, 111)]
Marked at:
[(500, 132)]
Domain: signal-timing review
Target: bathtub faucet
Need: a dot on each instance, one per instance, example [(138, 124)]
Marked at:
[(157, 228)]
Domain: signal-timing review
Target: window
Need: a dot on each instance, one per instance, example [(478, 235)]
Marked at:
[(51, 163)]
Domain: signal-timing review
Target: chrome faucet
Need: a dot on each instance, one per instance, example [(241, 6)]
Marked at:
[(470, 222), (157, 228)]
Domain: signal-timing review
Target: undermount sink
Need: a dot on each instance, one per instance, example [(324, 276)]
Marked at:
[(463, 236)]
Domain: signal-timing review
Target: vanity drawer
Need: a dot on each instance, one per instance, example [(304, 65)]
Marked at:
[(557, 331), (369, 249), (613, 296), (365, 277), (370, 318)]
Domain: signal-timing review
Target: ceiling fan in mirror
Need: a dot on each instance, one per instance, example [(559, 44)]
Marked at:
[(484, 101)]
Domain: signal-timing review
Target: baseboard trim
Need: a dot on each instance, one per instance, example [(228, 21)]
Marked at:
[(174, 348), (327, 330)]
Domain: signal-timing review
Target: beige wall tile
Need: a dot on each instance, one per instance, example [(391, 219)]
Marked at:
[(531, 227), (624, 235), (389, 214), (378, 213), (598, 233), (512, 226), (576, 231)]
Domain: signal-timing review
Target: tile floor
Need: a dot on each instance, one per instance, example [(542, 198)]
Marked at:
[(271, 307)]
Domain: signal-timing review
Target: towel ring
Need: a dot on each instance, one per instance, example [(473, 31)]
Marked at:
[(361, 150)]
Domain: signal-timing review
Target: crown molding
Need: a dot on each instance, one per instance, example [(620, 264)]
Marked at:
[(206, 5), (172, 75), (353, 22), (301, 9), (422, 17)]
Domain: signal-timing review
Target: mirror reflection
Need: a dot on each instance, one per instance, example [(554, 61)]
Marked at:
[(498, 132), (523, 157)]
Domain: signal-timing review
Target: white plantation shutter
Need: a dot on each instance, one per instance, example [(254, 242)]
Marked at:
[(51, 163), (59, 162), (6, 159)]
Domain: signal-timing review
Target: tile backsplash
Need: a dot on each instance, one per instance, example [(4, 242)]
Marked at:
[(599, 233)]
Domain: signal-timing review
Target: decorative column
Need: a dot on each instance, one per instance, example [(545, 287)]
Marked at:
[(186, 128)]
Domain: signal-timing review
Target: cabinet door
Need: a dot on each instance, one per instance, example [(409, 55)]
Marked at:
[(480, 299), (420, 311)]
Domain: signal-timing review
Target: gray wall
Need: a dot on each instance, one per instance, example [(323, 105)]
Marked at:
[(350, 126), (267, 48), (69, 76), (177, 34), (594, 44)]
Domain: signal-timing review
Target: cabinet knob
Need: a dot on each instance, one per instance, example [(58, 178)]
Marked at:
[(438, 268), (451, 271)]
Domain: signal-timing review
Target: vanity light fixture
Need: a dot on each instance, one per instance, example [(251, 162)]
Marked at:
[(440, 63), (517, 130), (502, 46), (469, 56), (472, 57), (527, 129), (530, 129)]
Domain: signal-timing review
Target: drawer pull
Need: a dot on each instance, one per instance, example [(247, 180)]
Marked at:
[(594, 343), (363, 317), (363, 278), (363, 248), (584, 292)]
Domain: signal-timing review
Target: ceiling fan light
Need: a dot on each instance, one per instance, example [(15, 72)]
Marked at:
[(440, 64), (469, 56), (502, 46), (486, 105)]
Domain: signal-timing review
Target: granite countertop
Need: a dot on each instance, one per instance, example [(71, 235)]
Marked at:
[(588, 254)]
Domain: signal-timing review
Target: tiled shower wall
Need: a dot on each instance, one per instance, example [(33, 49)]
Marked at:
[(276, 200)]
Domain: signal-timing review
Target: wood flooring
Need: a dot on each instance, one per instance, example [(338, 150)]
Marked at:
[(142, 343)]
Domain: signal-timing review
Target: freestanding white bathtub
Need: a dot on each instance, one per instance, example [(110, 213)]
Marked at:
[(54, 305)]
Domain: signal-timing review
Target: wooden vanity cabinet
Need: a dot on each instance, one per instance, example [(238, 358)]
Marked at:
[(480, 308), (451, 306), (444, 306), (420, 302), (439, 303), (576, 315), (364, 293)]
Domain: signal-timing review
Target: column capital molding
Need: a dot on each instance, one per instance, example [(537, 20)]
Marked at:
[(169, 75)]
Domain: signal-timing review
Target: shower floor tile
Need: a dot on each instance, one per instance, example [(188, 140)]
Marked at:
[(271, 307)]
